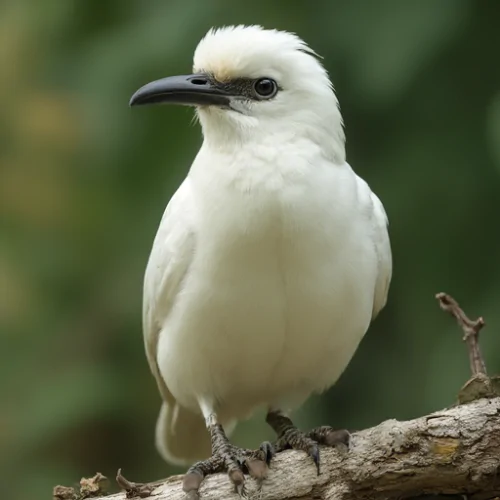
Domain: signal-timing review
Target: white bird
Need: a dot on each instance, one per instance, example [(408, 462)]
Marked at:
[(271, 259)]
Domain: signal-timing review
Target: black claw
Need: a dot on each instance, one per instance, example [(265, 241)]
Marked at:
[(314, 454), (290, 437), (268, 450)]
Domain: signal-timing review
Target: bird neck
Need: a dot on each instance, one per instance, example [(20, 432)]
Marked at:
[(246, 133)]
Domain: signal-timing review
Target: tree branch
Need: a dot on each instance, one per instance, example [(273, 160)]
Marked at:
[(452, 452), (455, 451)]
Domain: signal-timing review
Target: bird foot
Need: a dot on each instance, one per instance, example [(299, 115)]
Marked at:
[(234, 460), (289, 437)]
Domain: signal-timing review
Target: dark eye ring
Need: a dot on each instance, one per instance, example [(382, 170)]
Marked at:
[(265, 88)]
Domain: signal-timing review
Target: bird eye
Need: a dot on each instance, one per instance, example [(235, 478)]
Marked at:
[(265, 88)]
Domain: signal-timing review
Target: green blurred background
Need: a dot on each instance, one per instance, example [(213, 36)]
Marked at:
[(84, 181)]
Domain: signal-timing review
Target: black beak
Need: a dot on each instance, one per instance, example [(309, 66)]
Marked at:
[(191, 90)]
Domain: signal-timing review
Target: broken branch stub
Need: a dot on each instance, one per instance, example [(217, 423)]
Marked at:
[(480, 385), (471, 331)]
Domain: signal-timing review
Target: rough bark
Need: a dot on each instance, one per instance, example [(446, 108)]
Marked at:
[(454, 451)]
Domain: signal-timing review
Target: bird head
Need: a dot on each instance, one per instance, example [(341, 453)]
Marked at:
[(249, 82)]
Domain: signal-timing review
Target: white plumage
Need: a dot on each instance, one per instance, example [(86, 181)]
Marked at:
[(273, 256)]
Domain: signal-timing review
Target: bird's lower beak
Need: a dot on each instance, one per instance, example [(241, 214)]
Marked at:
[(191, 90)]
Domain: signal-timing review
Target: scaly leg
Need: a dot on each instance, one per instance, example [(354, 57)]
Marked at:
[(227, 457), (291, 437)]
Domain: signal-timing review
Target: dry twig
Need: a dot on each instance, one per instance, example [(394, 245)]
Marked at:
[(90, 487), (470, 328), (142, 490)]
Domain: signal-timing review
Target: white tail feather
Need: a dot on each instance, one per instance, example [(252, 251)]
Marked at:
[(182, 436)]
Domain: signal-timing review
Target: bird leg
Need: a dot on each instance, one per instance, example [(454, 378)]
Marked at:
[(291, 437), (228, 457)]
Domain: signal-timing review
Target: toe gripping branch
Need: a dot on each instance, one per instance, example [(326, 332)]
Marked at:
[(227, 457), (291, 437)]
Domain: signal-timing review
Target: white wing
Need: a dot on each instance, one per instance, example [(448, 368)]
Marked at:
[(372, 207), (383, 249), (169, 261), (181, 435)]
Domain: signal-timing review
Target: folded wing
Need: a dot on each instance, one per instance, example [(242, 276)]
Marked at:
[(181, 435)]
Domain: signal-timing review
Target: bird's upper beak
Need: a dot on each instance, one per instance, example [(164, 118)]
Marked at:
[(191, 90)]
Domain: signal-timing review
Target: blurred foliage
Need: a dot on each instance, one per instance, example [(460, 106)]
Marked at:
[(84, 181)]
